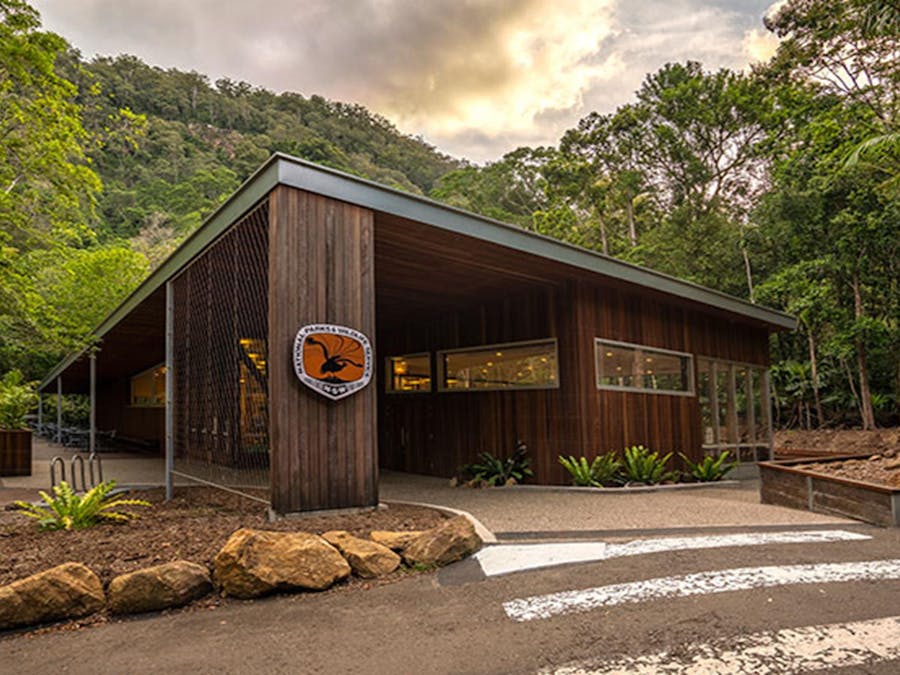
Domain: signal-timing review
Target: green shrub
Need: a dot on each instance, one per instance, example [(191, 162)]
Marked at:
[(709, 468), (642, 466), (604, 469), (493, 471), (580, 471), (69, 511), (16, 399)]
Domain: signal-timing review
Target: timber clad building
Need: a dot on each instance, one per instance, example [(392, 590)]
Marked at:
[(482, 334)]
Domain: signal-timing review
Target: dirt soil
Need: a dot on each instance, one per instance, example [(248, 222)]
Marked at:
[(794, 443), (882, 447), (193, 526), (875, 469)]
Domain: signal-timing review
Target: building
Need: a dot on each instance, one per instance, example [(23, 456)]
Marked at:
[(482, 334)]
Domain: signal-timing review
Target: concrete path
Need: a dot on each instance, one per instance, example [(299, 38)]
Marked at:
[(519, 513), (511, 513)]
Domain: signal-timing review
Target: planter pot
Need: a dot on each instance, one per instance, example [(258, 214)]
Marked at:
[(15, 453), (783, 484)]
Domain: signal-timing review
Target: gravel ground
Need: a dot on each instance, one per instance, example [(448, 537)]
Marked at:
[(511, 510)]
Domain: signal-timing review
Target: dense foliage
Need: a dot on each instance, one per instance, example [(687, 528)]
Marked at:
[(780, 185)]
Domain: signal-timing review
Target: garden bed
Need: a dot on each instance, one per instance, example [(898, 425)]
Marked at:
[(862, 487), (193, 526)]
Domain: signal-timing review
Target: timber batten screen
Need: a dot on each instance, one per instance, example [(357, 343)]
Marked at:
[(221, 361)]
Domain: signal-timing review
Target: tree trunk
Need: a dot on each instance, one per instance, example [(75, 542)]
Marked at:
[(865, 396), (632, 229), (814, 372), (749, 272), (603, 240)]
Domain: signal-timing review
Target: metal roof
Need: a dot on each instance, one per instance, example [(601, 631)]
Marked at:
[(281, 169)]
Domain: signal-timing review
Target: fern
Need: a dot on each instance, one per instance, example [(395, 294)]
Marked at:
[(643, 466), (66, 510), (604, 469), (709, 468), (580, 471)]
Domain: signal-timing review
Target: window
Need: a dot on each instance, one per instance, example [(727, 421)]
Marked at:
[(148, 389), (734, 408), (409, 373), (520, 365), (625, 366)]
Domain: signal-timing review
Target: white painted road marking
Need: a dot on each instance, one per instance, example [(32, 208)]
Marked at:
[(503, 559), (792, 650), (720, 581)]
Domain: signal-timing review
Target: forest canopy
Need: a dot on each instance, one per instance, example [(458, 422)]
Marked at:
[(779, 185)]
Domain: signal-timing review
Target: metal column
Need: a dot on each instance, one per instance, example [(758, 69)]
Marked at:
[(59, 410), (40, 427), (170, 371), (92, 444)]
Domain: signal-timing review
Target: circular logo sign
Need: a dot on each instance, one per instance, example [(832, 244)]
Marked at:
[(335, 361)]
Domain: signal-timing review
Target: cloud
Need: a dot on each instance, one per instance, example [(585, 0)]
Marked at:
[(759, 45), (475, 77)]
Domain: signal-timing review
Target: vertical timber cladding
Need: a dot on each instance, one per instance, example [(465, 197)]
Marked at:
[(437, 432), (615, 419), (321, 270)]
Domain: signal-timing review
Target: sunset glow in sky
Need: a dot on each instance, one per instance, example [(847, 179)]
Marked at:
[(476, 78)]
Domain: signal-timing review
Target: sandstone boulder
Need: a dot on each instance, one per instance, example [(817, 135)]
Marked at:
[(450, 541), (367, 558), (256, 562), (396, 541), (68, 591), (170, 585)]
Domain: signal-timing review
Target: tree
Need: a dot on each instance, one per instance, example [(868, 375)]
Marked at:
[(47, 190)]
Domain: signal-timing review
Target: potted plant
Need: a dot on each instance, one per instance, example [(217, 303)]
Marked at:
[(17, 398)]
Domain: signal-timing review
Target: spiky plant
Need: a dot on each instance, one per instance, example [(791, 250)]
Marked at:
[(709, 468), (602, 470), (67, 510), (643, 466)]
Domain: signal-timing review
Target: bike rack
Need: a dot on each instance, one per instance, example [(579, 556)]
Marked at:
[(94, 471), (77, 460), (94, 458), (62, 470)]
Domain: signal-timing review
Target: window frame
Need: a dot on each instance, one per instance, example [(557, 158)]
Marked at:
[(389, 374), (599, 342), (442, 366), (765, 422)]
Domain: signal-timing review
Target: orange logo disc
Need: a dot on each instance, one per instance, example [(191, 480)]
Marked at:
[(335, 361)]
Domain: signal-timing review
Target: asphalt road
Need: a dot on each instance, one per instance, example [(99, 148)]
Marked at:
[(459, 621)]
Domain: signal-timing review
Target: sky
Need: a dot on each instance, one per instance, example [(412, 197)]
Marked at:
[(476, 78)]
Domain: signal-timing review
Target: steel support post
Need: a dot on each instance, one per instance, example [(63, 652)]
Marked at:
[(170, 388), (92, 444)]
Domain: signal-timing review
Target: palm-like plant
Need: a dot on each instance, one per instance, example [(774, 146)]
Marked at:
[(642, 466), (709, 468), (67, 510)]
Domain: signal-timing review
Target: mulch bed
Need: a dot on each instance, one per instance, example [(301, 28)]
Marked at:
[(193, 526)]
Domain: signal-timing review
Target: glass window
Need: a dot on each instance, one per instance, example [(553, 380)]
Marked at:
[(408, 373), (522, 365), (149, 388), (626, 366), (734, 414)]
